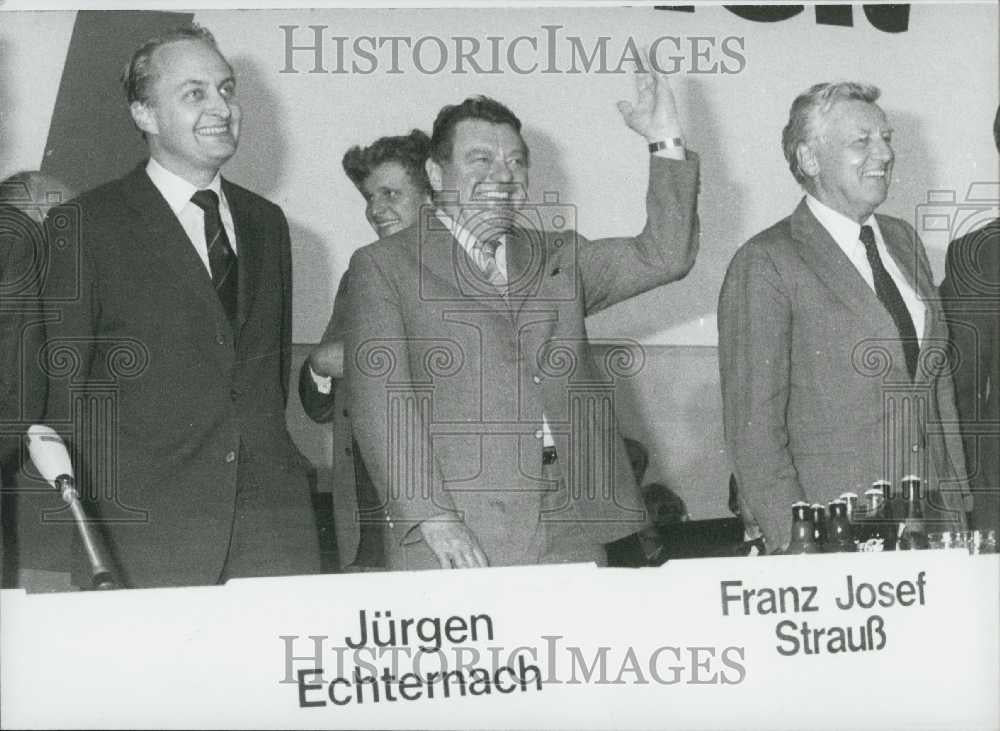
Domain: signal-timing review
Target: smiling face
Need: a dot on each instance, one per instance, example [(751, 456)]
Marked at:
[(392, 200), (850, 160), (486, 178), (191, 118)]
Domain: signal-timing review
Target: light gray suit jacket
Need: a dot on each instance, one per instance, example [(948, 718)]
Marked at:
[(816, 396), (449, 381)]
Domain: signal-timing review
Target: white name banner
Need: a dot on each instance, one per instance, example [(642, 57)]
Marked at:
[(895, 640)]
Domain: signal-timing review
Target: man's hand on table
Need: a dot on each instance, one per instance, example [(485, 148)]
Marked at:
[(452, 542)]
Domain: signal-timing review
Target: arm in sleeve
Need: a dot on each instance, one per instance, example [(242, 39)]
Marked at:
[(963, 333), (71, 303), (390, 423), (22, 332), (285, 248), (956, 386), (615, 269), (319, 405), (755, 318)]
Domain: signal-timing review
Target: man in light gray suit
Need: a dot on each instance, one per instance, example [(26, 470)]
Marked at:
[(467, 356), (831, 339)]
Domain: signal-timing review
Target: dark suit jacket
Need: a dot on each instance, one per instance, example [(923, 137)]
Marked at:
[(449, 381), (171, 410), (970, 294), (816, 396), (22, 384), (22, 252)]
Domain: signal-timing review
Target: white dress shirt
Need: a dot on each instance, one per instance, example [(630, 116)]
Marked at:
[(846, 233), (177, 193)]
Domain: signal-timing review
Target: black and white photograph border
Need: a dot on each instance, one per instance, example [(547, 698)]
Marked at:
[(633, 406)]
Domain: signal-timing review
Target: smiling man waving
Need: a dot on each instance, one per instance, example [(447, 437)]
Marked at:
[(458, 326)]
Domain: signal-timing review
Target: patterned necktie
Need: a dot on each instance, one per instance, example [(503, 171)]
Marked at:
[(488, 262), (889, 296), (221, 257)]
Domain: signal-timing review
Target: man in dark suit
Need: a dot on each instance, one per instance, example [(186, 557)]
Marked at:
[(170, 357), (36, 558), (970, 294), (22, 390), (830, 333), (479, 409)]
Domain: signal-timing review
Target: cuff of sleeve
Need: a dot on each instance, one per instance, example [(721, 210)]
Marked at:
[(324, 384)]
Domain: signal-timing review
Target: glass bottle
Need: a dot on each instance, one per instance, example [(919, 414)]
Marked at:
[(851, 503), (818, 515), (839, 537), (803, 539), (911, 530), (870, 528)]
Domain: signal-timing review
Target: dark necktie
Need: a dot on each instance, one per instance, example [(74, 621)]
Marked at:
[(888, 294), (221, 257)]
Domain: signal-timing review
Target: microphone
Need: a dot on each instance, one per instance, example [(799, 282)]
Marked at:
[(52, 460)]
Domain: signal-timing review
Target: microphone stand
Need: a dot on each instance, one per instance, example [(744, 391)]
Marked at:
[(101, 577)]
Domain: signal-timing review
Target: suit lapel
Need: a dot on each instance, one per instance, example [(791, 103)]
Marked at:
[(157, 229), (440, 254), (904, 251), (829, 263), (248, 252), (526, 273), (534, 301)]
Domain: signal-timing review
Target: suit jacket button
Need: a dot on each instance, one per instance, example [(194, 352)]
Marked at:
[(538, 434), (230, 457), (219, 339)]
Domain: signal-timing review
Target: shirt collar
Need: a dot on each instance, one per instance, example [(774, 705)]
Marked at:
[(176, 190), (465, 238), (844, 230)]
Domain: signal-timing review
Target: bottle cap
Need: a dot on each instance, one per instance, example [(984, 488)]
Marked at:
[(800, 511), (911, 487)]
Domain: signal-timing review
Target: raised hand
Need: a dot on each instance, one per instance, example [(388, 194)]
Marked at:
[(654, 113)]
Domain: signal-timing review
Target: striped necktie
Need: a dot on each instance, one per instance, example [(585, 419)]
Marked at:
[(221, 257), (487, 261)]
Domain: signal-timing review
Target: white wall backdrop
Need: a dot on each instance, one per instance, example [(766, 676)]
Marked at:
[(939, 80)]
